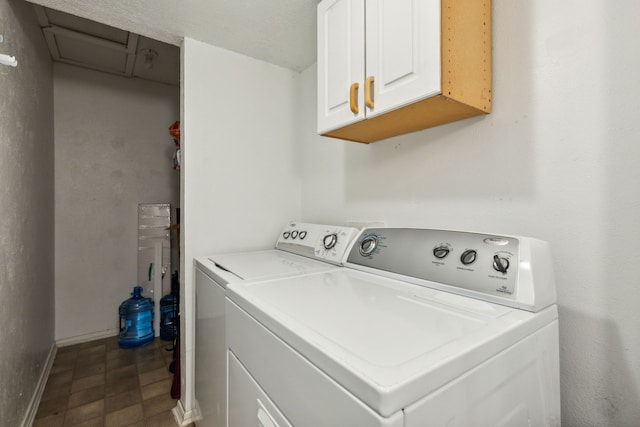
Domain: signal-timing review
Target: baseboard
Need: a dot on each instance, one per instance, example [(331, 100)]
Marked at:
[(87, 337), (182, 417), (32, 409)]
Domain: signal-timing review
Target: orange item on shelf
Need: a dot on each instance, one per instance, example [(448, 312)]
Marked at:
[(174, 130)]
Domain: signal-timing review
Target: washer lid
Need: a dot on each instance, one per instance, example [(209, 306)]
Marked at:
[(386, 341), (258, 265)]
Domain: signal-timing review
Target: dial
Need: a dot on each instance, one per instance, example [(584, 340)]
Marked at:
[(500, 264), (330, 240), (441, 252), (468, 256), (368, 245)]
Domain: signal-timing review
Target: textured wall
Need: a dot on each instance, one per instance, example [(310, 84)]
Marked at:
[(113, 151), (26, 210), (557, 159), (240, 181)]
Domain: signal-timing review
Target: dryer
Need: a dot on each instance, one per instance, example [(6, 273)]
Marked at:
[(422, 327), (301, 248)]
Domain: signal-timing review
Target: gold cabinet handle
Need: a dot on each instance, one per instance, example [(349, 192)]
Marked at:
[(368, 92), (353, 101)]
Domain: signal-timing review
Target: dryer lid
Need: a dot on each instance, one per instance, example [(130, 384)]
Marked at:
[(270, 263)]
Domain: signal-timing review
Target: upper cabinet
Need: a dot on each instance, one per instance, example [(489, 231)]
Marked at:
[(390, 67)]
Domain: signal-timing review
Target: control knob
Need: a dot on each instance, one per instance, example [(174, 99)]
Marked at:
[(368, 245), (441, 252), (330, 240), (468, 257), (500, 264)]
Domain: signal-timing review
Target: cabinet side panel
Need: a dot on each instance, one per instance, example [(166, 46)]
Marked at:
[(466, 52)]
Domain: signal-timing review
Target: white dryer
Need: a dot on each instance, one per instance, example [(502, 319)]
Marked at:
[(300, 249), (426, 328)]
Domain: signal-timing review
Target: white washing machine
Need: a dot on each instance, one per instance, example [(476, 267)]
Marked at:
[(300, 249), (422, 328)]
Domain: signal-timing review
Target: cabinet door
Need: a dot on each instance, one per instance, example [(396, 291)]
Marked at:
[(403, 52), (340, 63)]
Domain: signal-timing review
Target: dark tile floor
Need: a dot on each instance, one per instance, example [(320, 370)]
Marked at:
[(99, 384)]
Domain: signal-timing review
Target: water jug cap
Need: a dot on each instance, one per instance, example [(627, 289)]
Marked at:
[(137, 291)]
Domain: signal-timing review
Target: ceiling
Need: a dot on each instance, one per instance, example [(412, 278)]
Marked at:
[(282, 32), (85, 43)]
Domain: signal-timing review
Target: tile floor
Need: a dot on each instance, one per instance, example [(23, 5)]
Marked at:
[(98, 384)]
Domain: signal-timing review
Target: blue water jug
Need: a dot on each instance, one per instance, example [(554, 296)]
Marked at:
[(136, 320), (168, 310)]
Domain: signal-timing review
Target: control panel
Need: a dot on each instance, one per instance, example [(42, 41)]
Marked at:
[(498, 267), (324, 242)]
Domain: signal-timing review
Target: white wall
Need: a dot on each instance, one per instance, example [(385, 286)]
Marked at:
[(240, 181), (112, 152), (557, 159), (26, 214)]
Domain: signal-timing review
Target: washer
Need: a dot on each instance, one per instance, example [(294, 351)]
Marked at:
[(300, 249), (424, 327)]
